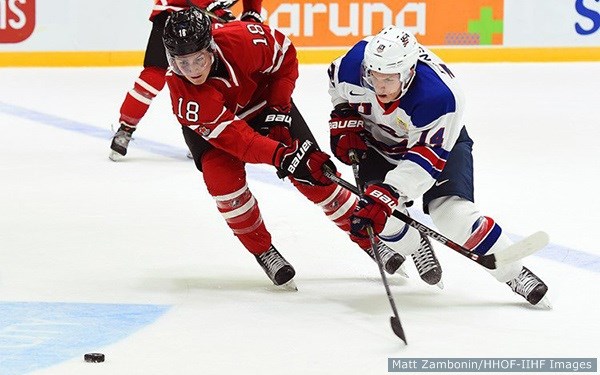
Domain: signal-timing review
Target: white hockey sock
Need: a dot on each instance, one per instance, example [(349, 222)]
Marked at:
[(400, 237), (462, 222)]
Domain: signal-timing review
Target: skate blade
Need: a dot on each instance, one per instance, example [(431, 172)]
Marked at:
[(544, 304), (115, 156), (440, 285), (289, 286), (402, 272)]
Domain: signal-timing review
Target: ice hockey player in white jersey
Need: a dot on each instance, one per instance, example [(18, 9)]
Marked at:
[(400, 107)]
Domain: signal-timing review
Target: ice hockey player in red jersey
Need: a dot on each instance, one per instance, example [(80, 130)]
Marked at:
[(231, 83), (152, 78)]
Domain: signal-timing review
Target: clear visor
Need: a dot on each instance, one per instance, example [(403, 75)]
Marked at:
[(378, 82), (191, 65)]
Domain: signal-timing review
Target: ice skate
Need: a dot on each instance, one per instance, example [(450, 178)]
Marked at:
[(427, 263), (120, 141), (277, 268), (530, 287), (391, 260)]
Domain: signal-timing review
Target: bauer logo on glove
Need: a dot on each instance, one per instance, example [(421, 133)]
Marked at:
[(299, 155), (384, 198), (346, 124), (373, 209), (305, 162), (279, 117)]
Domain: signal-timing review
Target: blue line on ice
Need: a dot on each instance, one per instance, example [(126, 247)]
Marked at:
[(554, 252)]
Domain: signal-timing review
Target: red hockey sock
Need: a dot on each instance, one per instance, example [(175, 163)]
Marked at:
[(138, 99), (225, 179)]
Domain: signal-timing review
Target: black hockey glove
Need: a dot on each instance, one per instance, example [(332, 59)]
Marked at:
[(275, 125), (304, 162), (251, 16), (220, 8)]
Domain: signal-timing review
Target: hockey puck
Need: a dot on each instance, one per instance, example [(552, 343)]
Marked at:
[(94, 357)]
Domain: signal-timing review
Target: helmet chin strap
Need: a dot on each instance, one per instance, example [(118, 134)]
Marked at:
[(404, 87)]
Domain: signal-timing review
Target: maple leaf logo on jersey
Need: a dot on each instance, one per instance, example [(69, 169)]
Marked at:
[(204, 131)]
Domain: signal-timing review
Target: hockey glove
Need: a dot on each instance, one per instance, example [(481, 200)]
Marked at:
[(345, 128), (275, 125), (304, 162), (220, 8), (251, 16), (374, 208)]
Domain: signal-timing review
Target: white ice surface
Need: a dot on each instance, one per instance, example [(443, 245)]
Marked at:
[(76, 227)]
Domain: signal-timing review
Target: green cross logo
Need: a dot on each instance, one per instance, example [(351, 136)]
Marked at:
[(486, 25)]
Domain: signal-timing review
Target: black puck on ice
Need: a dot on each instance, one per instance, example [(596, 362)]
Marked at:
[(94, 357)]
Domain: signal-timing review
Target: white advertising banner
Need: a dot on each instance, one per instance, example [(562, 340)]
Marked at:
[(123, 25), (551, 23), (75, 25)]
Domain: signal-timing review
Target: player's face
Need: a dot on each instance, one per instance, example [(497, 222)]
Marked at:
[(387, 86), (195, 67)]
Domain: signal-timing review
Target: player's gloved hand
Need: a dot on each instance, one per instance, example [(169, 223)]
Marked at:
[(275, 124), (220, 8), (345, 128), (251, 16), (304, 162), (374, 208)]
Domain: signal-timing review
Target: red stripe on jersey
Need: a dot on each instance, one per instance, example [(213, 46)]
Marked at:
[(428, 154), (484, 227)]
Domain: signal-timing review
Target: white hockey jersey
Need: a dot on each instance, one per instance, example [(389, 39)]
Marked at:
[(417, 132)]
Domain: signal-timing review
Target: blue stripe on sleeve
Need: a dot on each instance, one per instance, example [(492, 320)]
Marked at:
[(349, 71), (428, 99)]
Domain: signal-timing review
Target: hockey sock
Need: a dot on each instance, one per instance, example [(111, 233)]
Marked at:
[(461, 221), (139, 98), (225, 179)]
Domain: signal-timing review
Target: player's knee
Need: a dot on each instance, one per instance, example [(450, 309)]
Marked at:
[(454, 217), (223, 173)]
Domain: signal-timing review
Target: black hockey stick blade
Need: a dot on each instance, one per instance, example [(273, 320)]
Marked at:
[(397, 328)]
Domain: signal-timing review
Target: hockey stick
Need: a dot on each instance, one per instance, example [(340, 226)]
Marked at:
[(394, 320), (514, 252)]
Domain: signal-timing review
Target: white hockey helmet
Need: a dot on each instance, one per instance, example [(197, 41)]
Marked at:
[(393, 50)]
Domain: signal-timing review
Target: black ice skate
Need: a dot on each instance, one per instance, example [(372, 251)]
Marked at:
[(530, 287), (391, 260), (120, 142), (427, 264), (277, 268)]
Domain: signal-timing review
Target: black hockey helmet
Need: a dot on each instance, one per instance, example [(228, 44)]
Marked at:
[(187, 31)]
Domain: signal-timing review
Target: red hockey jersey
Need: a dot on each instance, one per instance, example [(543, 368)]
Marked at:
[(175, 5), (256, 68)]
